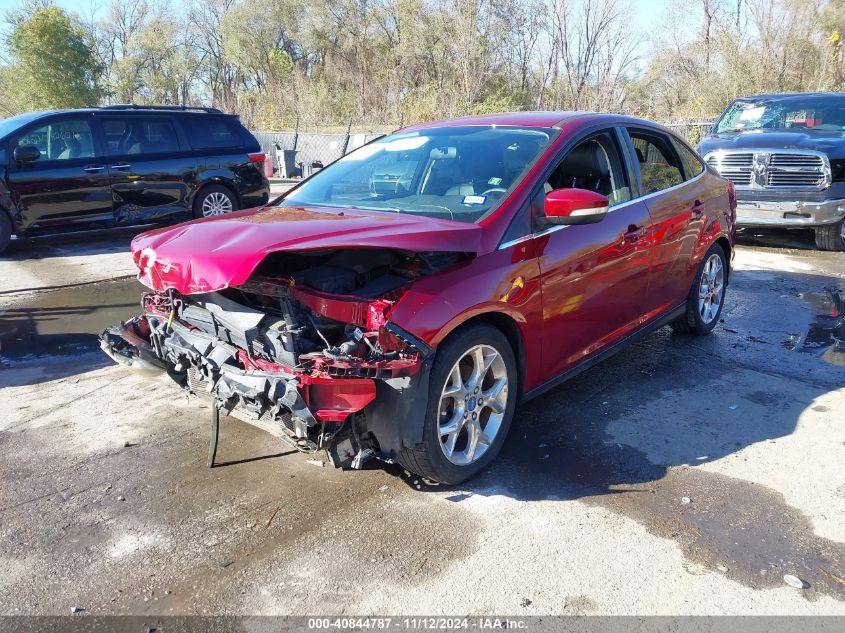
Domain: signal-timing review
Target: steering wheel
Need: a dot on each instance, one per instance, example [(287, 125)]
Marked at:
[(494, 190)]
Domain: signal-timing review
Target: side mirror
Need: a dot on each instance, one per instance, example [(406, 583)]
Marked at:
[(26, 154), (575, 206)]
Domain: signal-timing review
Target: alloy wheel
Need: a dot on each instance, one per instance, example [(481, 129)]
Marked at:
[(711, 288), (472, 405), (216, 203)]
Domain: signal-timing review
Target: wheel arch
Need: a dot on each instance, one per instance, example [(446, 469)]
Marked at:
[(217, 180), (726, 246)]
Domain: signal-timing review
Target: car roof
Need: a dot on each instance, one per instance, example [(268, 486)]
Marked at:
[(127, 109), (531, 119), (790, 95)]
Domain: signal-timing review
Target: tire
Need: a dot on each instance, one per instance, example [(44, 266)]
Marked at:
[(700, 317), (5, 231), (831, 237), (454, 370), (214, 200)]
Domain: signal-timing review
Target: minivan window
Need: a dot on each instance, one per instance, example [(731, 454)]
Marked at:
[(65, 139), (207, 132), (139, 135), (659, 166)]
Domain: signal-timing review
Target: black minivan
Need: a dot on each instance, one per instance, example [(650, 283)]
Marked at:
[(119, 165)]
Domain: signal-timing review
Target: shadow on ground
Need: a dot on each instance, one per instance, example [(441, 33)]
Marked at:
[(627, 434)]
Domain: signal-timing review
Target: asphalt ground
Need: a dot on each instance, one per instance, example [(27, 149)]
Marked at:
[(682, 476)]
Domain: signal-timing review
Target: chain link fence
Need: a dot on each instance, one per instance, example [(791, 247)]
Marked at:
[(692, 131), (298, 154)]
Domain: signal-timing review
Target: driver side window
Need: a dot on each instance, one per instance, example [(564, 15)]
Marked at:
[(594, 164), (64, 139)]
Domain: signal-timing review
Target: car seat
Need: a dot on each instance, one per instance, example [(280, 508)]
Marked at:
[(585, 167)]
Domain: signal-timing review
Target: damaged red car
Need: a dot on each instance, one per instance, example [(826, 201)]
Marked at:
[(400, 303)]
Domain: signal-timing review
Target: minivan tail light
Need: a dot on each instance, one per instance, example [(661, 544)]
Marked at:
[(257, 157)]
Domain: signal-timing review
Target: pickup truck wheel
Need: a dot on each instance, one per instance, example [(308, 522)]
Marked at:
[(831, 237), (707, 295), (472, 396), (214, 200), (5, 231)]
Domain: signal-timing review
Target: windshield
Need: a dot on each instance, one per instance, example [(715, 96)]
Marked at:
[(457, 173), (785, 113)]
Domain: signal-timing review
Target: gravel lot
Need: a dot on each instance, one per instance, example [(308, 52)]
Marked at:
[(107, 504)]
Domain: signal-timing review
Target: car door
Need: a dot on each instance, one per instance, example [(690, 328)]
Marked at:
[(67, 183), (594, 277), (150, 171), (676, 200)]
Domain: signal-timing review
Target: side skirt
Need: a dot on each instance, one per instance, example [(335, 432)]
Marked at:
[(606, 353)]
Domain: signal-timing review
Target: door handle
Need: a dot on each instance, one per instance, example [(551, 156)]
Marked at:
[(121, 166), (697, 208), (93, 169), (633, 233)]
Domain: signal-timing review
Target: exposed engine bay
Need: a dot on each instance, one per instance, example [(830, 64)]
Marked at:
[(303, 346)]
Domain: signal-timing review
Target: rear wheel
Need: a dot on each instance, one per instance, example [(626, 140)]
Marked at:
[(831, 237), (707, 295), (472, 396), (5, 231), (214, 200)]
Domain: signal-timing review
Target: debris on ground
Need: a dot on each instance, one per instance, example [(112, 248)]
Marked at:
[(794, 581), (272, 516), (315, 462), (121, 498), (686, 500), (76, 610)]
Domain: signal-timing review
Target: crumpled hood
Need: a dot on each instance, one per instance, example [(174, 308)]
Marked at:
[(221, 252)]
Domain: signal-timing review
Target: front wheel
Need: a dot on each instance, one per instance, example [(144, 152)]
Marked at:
[(472, 396), (831, 237), (707, 296)]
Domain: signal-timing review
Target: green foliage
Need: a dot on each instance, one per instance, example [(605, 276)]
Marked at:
[(53, 62)]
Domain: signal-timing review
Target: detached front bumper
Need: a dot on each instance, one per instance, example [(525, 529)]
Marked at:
[(789, 213)]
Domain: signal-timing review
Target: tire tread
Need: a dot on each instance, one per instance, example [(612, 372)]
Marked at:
[(829, 237)]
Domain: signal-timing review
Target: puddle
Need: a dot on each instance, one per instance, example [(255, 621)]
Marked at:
[(825, 337), (65, 322)]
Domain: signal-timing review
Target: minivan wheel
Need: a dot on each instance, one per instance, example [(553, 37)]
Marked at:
[(471, 400), (214, 200), (707, 296), (831, 237), (5, 231)]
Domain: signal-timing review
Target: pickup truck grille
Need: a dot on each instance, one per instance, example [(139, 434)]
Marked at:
[(771, 169), (795, 170), (738, 168)]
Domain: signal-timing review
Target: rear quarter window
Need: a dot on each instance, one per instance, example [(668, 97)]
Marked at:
[(689, 161), (213, 132)]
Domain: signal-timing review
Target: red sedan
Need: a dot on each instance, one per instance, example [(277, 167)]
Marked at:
[(400, 303)]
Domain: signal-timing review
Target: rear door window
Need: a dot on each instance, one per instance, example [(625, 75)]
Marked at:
[(64, 139), (134, 135), (212, 132), (660, 167)]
